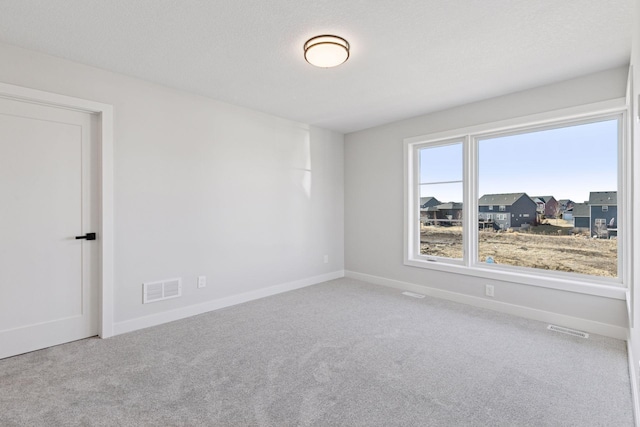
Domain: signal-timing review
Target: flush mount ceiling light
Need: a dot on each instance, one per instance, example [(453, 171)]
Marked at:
[(326, 51)]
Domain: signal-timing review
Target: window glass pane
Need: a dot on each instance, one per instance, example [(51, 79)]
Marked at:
[(441, 201), (441, 164), (549, 199)]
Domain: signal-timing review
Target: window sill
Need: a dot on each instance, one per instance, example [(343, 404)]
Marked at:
[(603, 288)]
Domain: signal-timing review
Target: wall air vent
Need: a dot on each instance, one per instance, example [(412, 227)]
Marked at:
[(161, 290), (568, 331)]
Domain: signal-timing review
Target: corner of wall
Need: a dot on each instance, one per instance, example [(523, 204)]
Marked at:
[(633, 341)]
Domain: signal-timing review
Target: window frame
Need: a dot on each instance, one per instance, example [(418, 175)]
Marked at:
[(469, 265), (415, 179)]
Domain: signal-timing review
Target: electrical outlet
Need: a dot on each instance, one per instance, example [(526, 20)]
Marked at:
[(326, 259), (488, 290), (202, 281)]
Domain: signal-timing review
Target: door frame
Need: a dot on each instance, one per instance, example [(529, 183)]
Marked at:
[(104, 112)]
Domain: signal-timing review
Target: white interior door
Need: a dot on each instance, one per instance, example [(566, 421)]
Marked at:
[(48, 196)]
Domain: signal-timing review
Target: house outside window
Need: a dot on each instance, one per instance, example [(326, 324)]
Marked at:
[(487, 156), (440, 177)]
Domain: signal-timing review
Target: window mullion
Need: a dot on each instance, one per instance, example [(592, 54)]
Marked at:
[(470, 191), (416, 198)]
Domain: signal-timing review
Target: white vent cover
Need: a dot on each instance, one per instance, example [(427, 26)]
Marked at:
[(164, 289), (568, 331), (412, 294)]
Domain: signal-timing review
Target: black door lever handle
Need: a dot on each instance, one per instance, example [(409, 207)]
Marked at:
[(88, 236)]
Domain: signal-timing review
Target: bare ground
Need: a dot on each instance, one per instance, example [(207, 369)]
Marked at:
[(552, 251)]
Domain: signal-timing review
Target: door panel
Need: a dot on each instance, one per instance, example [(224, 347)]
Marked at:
[(48, 279)]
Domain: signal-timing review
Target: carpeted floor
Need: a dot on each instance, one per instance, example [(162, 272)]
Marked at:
[(342, 353)]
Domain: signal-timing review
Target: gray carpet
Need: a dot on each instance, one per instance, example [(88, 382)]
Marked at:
[(342, 353)]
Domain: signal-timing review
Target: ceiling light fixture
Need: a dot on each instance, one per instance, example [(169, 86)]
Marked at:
[(326, 51)]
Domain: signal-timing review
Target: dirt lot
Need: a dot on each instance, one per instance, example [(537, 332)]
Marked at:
[(543, 248)]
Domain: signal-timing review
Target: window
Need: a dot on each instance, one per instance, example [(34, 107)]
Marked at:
[(592, 146), (576, 159), (440, 178)]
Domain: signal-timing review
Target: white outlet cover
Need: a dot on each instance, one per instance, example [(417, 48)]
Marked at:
[(202, 281)]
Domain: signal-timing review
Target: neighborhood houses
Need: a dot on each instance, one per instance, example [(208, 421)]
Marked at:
[(506, 211), (597, 216), (547, 206)]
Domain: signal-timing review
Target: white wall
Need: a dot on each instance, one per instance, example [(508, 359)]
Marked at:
[(205, 188), (374, 206)]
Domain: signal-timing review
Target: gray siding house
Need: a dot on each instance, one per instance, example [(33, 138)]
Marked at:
[(603, 210), (427, 202), (565, 205), (581, 216), (428, 208), (452, 210), (508, 210), (450, 213)]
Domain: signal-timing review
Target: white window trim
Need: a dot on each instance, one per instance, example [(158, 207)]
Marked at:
[(413, 235), (600, 286)]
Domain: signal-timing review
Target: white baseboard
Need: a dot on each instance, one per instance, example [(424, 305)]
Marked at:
[(193, 310), (633, 378), (503, 307)]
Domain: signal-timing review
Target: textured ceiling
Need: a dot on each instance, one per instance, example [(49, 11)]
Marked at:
[(408, 57)]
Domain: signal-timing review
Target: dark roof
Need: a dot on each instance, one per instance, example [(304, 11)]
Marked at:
[(506, 199), (543, 198), (603, 198), (424, 200), (580, 209), (449, 206), (565, 201)]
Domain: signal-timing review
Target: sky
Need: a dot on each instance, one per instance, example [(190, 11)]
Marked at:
[(566, 163)]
